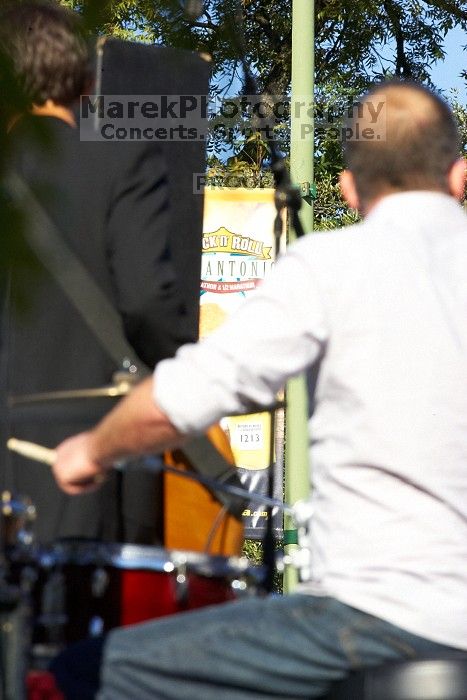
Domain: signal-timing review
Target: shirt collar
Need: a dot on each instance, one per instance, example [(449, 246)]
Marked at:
[(419, 204)]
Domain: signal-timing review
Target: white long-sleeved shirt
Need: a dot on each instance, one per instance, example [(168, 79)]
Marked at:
[(382, 306)]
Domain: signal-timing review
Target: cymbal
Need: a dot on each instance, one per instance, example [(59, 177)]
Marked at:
[(110, 391)]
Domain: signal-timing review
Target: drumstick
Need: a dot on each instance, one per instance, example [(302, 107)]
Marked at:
[(32, 450)]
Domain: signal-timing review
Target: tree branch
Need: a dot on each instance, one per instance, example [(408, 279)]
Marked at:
[(402, 64), (449, 6)]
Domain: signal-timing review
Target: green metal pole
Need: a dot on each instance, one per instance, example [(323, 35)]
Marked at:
[(302, 103), (301, 166)]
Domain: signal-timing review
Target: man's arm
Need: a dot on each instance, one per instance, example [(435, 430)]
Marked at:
[(135, 426), (278, 331)]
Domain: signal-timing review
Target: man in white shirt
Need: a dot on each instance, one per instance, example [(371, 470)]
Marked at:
[(380, 308)]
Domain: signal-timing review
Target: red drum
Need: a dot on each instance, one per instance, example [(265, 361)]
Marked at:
[(80, 589)]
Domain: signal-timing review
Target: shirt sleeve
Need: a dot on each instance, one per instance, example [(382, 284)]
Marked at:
[(277, 332)]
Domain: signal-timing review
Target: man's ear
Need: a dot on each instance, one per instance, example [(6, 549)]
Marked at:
[(456, 179), (348, 189)]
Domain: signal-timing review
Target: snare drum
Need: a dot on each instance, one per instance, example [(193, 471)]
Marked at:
[(81, 589)]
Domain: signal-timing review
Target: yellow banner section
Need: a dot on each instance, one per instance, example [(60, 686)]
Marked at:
[(238, 249), (238, 253)]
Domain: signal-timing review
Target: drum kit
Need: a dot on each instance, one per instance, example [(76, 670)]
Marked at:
[(77, 589), (54, 595)]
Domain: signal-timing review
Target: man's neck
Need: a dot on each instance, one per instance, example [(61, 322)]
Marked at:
[(51, 109)]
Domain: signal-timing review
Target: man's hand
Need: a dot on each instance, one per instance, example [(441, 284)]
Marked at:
[(135, 426), (74, 469)]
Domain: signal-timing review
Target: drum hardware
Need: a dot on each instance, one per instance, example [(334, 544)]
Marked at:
[(181, 585), (301, 557), (81, 405), (14, 647), (18, 515), (52, 617), (9, 595), (96, 626), (99, 582), (27, 580), (99, 586), (239, 586), (123, 382)]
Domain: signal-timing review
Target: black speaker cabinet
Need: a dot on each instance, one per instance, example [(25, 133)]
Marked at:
[(126, 68)]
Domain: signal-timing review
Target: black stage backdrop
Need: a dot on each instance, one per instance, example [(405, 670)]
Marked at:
[(138, 69)]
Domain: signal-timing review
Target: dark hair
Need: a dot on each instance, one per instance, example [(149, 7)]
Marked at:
[(416, 149), (48, 51)]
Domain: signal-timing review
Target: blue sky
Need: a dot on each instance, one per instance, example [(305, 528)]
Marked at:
[(445, 74)]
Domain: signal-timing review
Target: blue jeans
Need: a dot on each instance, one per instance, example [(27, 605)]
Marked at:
[(278, 647)]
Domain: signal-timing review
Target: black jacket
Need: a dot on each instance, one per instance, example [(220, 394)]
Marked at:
[(109, 201)]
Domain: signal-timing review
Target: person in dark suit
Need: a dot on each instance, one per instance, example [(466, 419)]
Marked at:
[(110, 204)]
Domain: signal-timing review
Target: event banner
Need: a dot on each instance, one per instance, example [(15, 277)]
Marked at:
[(238, 253)]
